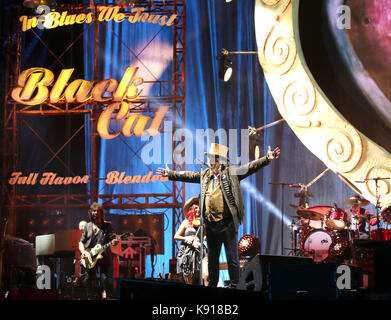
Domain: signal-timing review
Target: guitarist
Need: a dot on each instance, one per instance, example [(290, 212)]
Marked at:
[(98, 231)]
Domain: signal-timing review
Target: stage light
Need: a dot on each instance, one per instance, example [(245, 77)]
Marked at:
[(255, 143), (228, 0), (128, 2), (31, 235), (225, 69), (33, 4), (249, 246), (123, 2)]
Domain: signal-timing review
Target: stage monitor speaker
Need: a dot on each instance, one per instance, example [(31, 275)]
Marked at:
[(254, 277), (145, 225), (303, 282), (170, 290)]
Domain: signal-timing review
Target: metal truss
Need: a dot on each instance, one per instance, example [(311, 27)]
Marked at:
[(13, 198)]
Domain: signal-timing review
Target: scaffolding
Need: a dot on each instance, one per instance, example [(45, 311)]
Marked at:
[(13, 198)]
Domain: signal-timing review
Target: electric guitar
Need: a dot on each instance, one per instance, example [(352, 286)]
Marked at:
[(95, 253)]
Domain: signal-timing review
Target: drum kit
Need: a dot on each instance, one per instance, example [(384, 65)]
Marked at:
[(330, 233)]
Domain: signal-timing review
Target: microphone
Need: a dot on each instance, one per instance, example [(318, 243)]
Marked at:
[(203, 162)]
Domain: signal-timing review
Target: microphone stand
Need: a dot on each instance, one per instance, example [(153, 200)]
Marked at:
[(377, 204), (201, 226), (282, 184)]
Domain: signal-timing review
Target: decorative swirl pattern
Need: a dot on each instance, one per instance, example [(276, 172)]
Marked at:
[(315, 120), (299, 98), (279, 52), (271, 2), (283, 4), (344, 147)]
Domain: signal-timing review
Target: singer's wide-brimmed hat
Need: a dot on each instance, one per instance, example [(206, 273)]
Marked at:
[(218, 150), (188, 205)]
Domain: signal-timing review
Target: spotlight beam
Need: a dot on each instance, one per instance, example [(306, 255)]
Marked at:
[(262, 200)]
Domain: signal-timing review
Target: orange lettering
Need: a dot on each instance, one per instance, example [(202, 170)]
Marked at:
[(30, 80)]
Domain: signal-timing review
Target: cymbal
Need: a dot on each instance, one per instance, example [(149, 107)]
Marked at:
[(313, 213), (321, 209), (356, 202), (309, 214)]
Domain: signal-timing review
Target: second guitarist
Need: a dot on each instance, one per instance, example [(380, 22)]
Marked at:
[(98, 231)]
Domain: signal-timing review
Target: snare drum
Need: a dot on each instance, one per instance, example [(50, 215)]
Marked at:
[(381, 234), (316, 244), (336, 219), (314, 224)]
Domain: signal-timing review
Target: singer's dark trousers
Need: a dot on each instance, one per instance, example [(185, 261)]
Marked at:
[(218, 233)]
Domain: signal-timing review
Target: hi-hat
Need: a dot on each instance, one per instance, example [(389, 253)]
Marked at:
[(356, 202)]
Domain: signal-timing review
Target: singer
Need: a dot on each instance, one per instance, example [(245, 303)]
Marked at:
[(222, 205)]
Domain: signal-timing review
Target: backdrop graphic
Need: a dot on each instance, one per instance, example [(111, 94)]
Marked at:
[(210, 103)]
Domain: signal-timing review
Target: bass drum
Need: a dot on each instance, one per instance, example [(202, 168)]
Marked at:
[(316, 244)]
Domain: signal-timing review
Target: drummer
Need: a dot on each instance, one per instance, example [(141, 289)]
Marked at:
[(386, 215), (358, 216)]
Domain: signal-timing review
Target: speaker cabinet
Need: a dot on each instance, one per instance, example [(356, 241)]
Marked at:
[(299, 278), (254, 277), (303, 282), (30, 224)]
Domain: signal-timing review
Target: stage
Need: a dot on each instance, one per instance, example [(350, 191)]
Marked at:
[(123, 104)]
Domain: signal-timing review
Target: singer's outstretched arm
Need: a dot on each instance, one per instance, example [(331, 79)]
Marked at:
[(185, 176), (248, 169)]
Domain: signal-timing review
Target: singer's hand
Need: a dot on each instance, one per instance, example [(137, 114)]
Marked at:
[(271, 155), (163, 172)]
